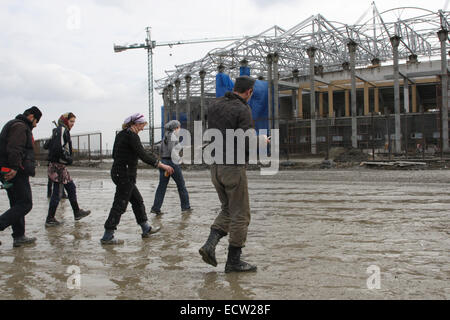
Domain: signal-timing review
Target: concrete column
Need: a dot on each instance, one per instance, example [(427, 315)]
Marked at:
[(165, 97), (330, 102), (188, 79), (170, 111), (295, 104), (269, 95), (177, 97), (312, 93), (276, 92), (406, 94), (300, 103), (347, 103), (395, 41), (376, 99), (414, 98), (320, 104), (202, 74), (352, 50), (443, 36), (366, 99)]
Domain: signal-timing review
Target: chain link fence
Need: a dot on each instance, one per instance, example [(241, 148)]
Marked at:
[(85, 147), (420, 135)]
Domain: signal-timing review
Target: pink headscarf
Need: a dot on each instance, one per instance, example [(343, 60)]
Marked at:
[(135, 118)]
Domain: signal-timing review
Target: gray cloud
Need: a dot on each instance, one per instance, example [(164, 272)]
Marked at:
[(49, 82)]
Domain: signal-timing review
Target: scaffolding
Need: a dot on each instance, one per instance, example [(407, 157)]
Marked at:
[(416, 28), (324, 58)]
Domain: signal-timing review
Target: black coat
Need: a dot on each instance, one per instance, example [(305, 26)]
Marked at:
[(60, 146), (16, 146), (126, 152)]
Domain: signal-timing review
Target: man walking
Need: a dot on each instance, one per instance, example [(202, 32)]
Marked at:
[(230, 179), (18, 163)]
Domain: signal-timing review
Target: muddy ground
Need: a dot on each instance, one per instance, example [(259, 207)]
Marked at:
[(313, 235)]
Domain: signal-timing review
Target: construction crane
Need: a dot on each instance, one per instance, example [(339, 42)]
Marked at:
[(150, 45)]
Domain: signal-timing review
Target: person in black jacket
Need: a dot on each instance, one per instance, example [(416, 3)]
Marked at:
[(126, 152), (60, 156), (17, 157)]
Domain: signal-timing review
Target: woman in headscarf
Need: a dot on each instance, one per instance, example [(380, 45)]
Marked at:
[(171, 139), (60, 156), (126, 152)]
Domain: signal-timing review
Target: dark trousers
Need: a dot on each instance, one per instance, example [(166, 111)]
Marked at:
[(50, 189), (72, 194), (21, 203), (126, 191), (162, 187), (231, 186)]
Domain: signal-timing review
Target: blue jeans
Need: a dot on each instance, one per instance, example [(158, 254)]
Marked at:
[(162, 187)]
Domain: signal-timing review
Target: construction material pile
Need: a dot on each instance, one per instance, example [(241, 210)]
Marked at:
[(351, 155)]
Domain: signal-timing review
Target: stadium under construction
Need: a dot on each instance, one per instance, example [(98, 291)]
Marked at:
[(379, 84)]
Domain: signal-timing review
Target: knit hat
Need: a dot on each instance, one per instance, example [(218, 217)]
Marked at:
[(133, 119), (35, 112)]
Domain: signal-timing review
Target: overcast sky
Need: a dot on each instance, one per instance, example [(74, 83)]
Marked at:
[(58, 55)]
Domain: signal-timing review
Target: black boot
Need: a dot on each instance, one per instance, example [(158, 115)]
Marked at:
[(51, 221), (208, 251), (23, 240), (81, 214), (77, 212), (234, 262), (108, 238)]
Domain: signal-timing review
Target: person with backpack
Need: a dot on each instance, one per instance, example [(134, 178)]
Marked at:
[(60, 156), (18, 164), (46, 146), (168, 144)]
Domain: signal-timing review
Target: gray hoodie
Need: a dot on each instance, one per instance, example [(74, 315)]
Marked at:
[(170, 139)]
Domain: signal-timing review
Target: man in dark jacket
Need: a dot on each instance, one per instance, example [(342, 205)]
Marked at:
[(17, 154), (230, 179)]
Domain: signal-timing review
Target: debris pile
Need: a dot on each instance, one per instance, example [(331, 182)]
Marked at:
[(352, 155)]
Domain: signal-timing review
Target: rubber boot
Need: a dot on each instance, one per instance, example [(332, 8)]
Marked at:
[(234, 262), (147, 230), (208, 251), (77, 212), (23, 240), (108, 238), (51, 221)]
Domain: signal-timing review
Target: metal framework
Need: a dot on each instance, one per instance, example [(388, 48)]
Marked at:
[(416, 29)]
